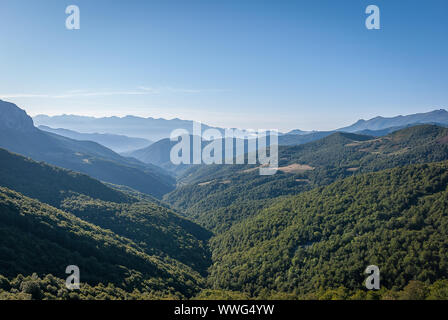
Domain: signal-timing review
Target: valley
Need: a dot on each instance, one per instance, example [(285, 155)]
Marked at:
[(144, 229), (220, 159)]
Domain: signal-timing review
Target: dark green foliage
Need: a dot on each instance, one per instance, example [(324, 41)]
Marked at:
[(122, 237), (37, 238), (325, 238), (49, 287), (157, 229), (414, 290)]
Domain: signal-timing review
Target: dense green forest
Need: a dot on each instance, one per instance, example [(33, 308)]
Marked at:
[(141, 219), (37, 238), (396, 219), (157, 229), (119, 237)]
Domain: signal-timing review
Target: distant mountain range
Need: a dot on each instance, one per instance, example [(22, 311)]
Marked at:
[(380, 123), (299, 132), (117, 143), (159, 152), (116, 132), (378, 127), (19, 135), (131, 126)]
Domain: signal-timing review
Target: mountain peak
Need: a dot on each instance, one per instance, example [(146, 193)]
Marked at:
[(380, 123), (439, 111), (298, 132), (14, 118)]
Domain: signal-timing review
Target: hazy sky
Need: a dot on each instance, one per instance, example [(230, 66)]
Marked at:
[(245, 63)]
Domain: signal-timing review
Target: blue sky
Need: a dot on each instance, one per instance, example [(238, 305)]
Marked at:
[(248, 63)]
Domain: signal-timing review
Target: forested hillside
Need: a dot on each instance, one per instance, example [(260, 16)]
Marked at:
[(48, 183), (324, 239), (37, 238), (218, 195), (123, 235)]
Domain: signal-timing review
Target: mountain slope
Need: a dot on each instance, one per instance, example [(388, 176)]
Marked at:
[(117, 143), (377, 127), (159, 153), (299, 132), (17, 134), (218, 196), (292, 139), (157, 229), (37, 238), (48, 183), (380, 123), (325, 238)]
